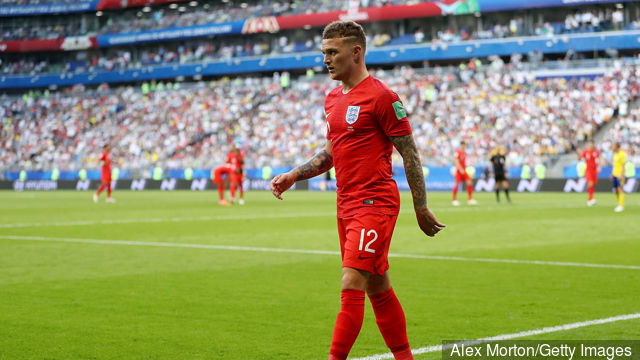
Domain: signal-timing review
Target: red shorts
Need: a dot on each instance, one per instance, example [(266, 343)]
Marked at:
[(106, 176), (591, 176), (364, 241), (236, 178), (462, 177)]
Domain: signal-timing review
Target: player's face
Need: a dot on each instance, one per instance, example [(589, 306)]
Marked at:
[(591, 146), (338, 57)]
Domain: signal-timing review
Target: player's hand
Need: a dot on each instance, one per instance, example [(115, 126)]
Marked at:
[(281, 183), (428, 222)]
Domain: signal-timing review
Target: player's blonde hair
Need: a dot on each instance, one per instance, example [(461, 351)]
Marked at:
[(346, 29)]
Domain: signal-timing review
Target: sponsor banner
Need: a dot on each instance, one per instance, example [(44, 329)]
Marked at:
[(137, 185), (260, 25), (121, 4), (234, 27), (30, 45), (62, 44), (44, 9), (78, 43), (500, 5), (423, 9)]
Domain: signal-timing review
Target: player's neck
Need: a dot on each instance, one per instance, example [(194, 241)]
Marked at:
[(354, 79)]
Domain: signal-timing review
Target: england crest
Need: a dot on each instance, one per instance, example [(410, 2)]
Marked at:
[(352, 114)]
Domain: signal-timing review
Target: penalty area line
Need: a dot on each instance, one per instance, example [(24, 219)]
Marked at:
[(307, 251), (545, 330)]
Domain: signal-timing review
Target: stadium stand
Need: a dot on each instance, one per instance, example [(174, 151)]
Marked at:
[(179, 127)]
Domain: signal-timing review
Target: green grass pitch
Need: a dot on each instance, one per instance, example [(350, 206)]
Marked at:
[(128, 300)]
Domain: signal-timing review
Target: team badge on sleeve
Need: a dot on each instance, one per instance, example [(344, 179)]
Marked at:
[(352, 114), (400, 111)]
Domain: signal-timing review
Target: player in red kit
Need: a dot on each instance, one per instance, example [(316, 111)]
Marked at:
[(236, 177), (365, 120), (460, 163), (591, 156), (106, 175), (228, 169)]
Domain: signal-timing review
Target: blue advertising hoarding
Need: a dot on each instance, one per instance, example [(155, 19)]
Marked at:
[(501, 5), (234, 27), (45, 9)]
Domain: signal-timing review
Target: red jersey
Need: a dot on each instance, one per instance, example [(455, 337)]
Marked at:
[(106, 162), (591, 157), (462, 158), (234, 161), (359, 124)]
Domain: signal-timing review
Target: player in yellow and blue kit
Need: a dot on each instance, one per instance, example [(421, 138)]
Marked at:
[(617, 175)]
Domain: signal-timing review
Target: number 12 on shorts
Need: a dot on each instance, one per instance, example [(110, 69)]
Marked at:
[(370, 234)]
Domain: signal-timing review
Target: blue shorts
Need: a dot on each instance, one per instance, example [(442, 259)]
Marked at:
[(616, 182)]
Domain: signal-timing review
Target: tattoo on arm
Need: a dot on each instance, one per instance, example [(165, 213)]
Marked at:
[(318, 164), (412, 168)]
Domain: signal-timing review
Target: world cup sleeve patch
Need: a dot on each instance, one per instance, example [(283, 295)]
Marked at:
[(400, 111)]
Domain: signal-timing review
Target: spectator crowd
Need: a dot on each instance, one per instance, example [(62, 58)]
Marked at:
[(282, 123)]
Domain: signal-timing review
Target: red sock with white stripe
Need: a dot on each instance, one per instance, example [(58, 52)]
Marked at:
[(348, 324), (392, 324), (591, 190)]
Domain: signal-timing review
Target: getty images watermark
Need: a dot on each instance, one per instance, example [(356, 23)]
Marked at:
[(541, 350)]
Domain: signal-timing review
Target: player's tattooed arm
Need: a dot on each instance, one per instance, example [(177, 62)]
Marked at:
[(319, 163), (412, 168)]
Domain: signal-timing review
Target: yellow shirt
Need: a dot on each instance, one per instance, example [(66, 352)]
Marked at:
[(619, 159)]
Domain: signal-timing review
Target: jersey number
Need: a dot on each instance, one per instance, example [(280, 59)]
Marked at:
[(369, 233)]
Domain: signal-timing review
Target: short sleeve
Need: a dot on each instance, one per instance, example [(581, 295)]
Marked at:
[(391, 114)]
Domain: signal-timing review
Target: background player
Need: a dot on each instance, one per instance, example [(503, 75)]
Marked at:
[(617, 175), (500, 171), (236, 175), (460, 163), (591, 156), (365, 120), (105, 177), (227, 169)]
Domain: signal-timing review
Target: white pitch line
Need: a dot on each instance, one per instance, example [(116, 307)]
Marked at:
[(545, 330), (238, 217), (306, 251), (159, 220)]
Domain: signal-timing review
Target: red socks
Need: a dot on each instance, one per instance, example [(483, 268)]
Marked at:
[(101, 188), (109, 189), (392, 324), (221, 192), (591, 190), (389, 317), (348, 324), (470, 191), (455, 192), (232, 189)]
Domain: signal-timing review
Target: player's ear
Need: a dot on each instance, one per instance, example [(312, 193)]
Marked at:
[(357, 53)]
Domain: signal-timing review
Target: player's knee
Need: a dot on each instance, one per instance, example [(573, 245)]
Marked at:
[(377, 284), (354, 279)]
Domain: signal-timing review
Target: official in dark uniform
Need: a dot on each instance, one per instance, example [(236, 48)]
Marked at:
[(500, 171)]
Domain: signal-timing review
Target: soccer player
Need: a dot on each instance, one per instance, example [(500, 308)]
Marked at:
[(617, 175), (218, 178), (105, 177), (365, 120), (591, 156), (236, 175), (500, 171), (459, 161), (227, 169)]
